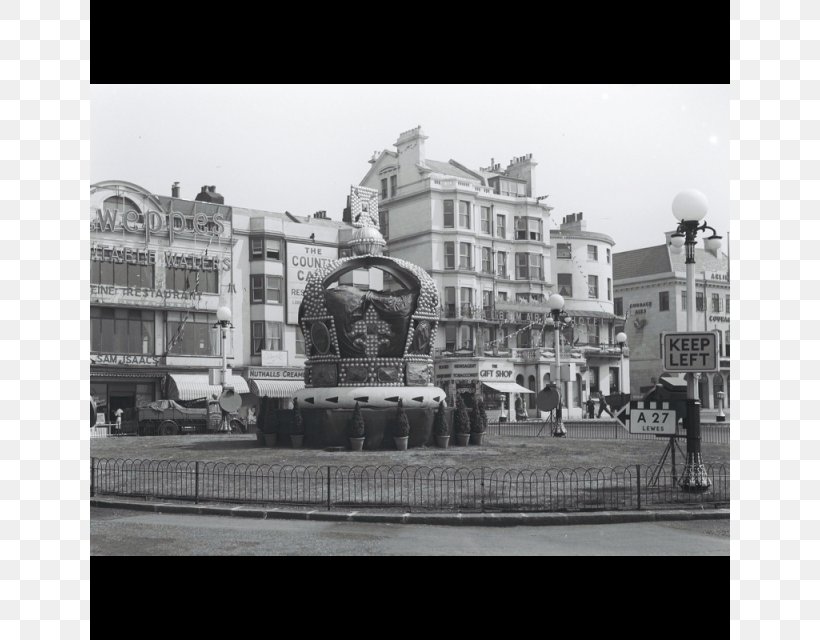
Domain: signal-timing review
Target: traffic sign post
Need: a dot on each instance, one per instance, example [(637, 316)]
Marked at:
[(655, 418)]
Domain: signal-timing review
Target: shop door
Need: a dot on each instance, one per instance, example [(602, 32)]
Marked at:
[(129, 416)]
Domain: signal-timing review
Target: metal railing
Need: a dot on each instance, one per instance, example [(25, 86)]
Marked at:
[(597, 430), (406, 487)]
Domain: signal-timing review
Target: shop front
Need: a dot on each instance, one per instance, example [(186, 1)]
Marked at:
[(277, 383), (492, 380), (125, 382)]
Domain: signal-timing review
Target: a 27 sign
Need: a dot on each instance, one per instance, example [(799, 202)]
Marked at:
[(655, 418)]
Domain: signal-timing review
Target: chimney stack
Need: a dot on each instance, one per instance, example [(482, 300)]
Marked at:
[(175, 190)]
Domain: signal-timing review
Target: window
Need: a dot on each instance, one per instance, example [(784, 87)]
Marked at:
[(203, 280), (564, 251), (609, 288), (449, 255), (619, 307), (501, 226), (699, 301), (122, 331), (663, 301), (534, 226), (727, 343), (502, 296), (614, 380), (528, 266), (266, 248), (450, 302), (266, 336), (464, 214), (266, 289), (466, 336), (465, 255), (593, 286), (192, 334), (384, 188), (384, 223), (592, 252), (122, 275), (450, 337), (300, 342), (608, 256), (523, 339), (520, 228), (449, 220), (467, 302), (486, 220), (486, 259), (683, 299), (501, 258), (727, 302), (487, 302), (393, 186), (715, 302), (565, 284)]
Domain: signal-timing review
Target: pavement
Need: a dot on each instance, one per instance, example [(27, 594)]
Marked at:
[(507, 519)]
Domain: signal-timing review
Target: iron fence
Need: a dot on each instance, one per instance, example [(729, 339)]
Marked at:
[(596, 430), (411, 488)]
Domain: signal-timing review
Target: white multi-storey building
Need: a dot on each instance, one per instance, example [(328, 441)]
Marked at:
[(484, 236)]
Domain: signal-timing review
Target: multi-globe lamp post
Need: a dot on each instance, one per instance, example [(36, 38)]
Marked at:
[(560, 319), (223, 321), (689, 208)]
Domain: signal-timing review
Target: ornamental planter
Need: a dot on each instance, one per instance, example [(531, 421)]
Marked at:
[(462, 439), (296, 440), (401, 442), (442, 441), (356, 444), (477, 438)]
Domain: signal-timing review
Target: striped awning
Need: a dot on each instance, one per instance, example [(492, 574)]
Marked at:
[(189, 386), (275, 388), (508, 387)]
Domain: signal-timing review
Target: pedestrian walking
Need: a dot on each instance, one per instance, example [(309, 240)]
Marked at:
[(590, 408), (603, 406)]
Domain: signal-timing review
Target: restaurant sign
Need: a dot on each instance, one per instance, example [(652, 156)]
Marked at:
[(276, 373)]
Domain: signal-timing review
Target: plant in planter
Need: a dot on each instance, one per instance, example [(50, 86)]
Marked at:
[(402, 433), (297, 433), (440, 428), (355, 429), (479, 423), (461, 422)]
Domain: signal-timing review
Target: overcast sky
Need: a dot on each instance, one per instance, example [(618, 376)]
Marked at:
[(619, 153)]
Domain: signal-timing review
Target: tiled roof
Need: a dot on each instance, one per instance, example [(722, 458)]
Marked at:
[(640, 262)]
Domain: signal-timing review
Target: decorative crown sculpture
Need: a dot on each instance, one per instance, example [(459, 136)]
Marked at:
[(368, 338)]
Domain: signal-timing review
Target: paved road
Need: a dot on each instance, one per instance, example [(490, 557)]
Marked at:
[(121, 532)]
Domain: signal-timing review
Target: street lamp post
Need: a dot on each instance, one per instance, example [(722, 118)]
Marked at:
[(559, 320), (689, 207), (621, 340), (223, 321)]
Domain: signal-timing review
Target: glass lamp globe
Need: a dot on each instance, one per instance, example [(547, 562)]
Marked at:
[(713, 243), (677, 239), (556, 302), (223, 314), (690, 205), (675, 250), (620, 338)]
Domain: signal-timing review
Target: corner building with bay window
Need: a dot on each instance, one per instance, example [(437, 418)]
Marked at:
[(484, 236)]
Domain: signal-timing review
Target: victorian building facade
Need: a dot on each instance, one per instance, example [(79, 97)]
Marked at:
[(484, 236), (651, 292), (160, 268)]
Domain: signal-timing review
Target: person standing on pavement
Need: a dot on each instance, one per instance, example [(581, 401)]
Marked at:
[(590, 407), (118, 413)]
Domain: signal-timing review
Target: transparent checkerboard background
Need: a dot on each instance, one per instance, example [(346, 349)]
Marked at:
[(775, 231)]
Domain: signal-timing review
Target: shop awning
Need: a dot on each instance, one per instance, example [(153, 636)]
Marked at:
[(508, 387), (275, 388), (189, 386)]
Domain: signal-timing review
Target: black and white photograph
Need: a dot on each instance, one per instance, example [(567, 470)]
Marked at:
[(390, 320)]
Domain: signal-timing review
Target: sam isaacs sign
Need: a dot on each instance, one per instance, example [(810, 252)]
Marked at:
[(304, 259)]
